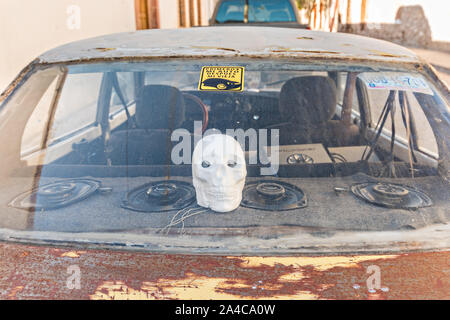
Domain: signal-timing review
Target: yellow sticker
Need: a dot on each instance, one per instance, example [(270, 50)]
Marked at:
[(222, 79)]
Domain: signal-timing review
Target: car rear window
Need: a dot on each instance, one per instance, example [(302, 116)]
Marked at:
[(109, 148)]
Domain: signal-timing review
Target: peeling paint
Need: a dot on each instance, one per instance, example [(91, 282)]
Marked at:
[(319, 263), (17, 80), (106, 274), (280, 50), (14, 291), (192, 287), (72, 254), (248, 41), (105, 49), (214, 48), (385, 54)]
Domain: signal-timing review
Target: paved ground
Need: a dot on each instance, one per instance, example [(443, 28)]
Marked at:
[(439, 59)]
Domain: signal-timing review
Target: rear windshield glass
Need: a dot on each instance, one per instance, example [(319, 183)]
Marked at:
[(258, 11), (194, 148)]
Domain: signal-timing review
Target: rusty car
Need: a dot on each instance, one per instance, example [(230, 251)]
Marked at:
[(346, 145)]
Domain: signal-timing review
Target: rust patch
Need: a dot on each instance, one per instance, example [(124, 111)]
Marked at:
[(105, 49), (282, 50), (385, 54), (72, 254), (14, 291), (215, 48), (197, 288), (17, 80), (319, 263), (42, 274)]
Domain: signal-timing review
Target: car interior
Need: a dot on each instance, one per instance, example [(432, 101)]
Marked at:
[(330, 142), (305, 111)]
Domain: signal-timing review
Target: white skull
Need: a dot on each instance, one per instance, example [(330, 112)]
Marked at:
[(218, 171)]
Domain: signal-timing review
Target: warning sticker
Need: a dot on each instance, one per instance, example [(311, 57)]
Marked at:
[(222, 79)]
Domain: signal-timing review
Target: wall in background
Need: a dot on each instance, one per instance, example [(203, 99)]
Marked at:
[(437, 13), (169, 14), (28, 28)]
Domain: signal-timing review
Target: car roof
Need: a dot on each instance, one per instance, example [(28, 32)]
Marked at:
[(230, 41)]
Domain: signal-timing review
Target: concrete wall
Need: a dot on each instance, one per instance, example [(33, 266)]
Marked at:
[(411, 28), (437, 13), (30, 27)]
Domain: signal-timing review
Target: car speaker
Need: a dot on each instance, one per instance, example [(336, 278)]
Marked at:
[(56, 195), (273, 195), (160, 196), (396, 196)]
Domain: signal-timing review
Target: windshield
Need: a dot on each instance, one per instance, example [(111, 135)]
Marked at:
[(257, 11), (195, 148)]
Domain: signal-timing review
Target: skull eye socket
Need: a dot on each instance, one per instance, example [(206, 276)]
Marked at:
[(232, 163), (206, 164)]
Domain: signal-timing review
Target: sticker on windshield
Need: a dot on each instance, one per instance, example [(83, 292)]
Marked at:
[(395, 81), (222, 79)]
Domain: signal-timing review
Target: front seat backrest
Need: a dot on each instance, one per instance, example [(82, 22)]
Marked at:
[(159, 111), (159, 107), (308, 105), (308, 100)]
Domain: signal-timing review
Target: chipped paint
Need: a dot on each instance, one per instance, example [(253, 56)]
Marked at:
[(72, 254), (42, 274), (20, 77), (319, 263), (195, 288), (105, 49), (385, 54), (297, 50), (214, 48), (14, 291)]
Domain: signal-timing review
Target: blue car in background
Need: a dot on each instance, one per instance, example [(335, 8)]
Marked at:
[(274, 13)]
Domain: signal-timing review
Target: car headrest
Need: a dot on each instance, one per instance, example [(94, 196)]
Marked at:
[(159, 107), (308, 100)]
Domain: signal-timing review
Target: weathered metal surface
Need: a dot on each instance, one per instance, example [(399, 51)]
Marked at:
[(29, 272), (18, 80), (284, 241), (230, 42)]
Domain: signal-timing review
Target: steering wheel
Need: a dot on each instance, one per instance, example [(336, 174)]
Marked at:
[(203, 106)]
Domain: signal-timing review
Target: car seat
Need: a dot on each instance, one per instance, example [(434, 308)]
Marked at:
[(308, 104), (159, 110)]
